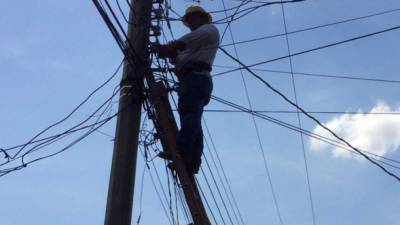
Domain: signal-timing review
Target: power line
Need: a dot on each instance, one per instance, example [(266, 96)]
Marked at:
[(315, 27), (301, 130), (260, 144), (249, 10), (310, 50), (312, 117), (6, 171), (93, 127), (72, 112), (360, 78), (299, 120), (212, 195), (239, 214), (310, 112)]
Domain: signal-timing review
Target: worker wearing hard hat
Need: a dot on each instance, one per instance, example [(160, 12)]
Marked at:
[(193, 55)]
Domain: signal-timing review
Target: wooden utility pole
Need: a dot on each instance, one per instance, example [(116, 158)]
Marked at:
[(123, 169)]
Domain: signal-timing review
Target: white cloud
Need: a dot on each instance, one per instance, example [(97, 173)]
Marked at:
[(378, 134)]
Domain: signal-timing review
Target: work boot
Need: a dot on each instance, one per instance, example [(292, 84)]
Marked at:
[(196, 166)]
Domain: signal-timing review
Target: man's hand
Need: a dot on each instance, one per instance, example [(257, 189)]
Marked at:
[(177, 45), (169, 50)]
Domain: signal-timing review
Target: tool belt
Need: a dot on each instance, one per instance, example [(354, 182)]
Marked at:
[(192, 66)]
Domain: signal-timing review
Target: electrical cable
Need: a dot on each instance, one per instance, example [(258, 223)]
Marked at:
[(72, 112), (357, 78), (305, 132), (249, 10), (234, 206), (315, 27), (306, 167), (212, 195), (260, 144), (310, 50), (312, 117), (310, 112)]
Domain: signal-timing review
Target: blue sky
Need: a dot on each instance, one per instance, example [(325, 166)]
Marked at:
[(54, 53)]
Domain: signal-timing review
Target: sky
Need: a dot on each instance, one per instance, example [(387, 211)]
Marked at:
[(54, 53)]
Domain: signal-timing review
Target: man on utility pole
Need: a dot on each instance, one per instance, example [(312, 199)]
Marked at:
[(193, 56)]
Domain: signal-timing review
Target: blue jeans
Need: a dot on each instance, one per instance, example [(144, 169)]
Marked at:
[(194, 93)]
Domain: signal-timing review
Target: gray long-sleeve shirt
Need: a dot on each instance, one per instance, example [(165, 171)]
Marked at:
[(201, 45)]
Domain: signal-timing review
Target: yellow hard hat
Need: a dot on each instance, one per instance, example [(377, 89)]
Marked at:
[(195, 9)]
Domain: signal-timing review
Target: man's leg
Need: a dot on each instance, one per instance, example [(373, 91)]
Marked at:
[(188, 138), (194, 94), (198, 151)]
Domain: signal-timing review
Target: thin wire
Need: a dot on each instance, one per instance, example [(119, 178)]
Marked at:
[(25, 164), (238, 215), (218, 190), (260, 144), (212, 195), (312, 50), (249, 10), (232, 17), (316, 75), (155, 186), (141, 196), (72, 112), (310, 112), (206, 200), (62, 135), (312, 117), (315, 27), (297, 129), (299, 120), (122, 12), (44, 144)]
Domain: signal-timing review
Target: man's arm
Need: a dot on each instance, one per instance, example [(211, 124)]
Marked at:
[(169, 50)]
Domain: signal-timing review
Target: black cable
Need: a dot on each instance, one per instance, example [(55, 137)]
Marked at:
[(128, 52), (310, 112), (312, 117), (315, 75), (212, 195), (239, 214), (305, 132), (111, 27), (232, 18), (206, 200), (249, 10), (309, 50), (4, 172), (306, 167), (230, 9), (122, 12), (48, 142), (315, 27), (218, 189), (72, 112), (141, 196), (93, 127), (260, 144)]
